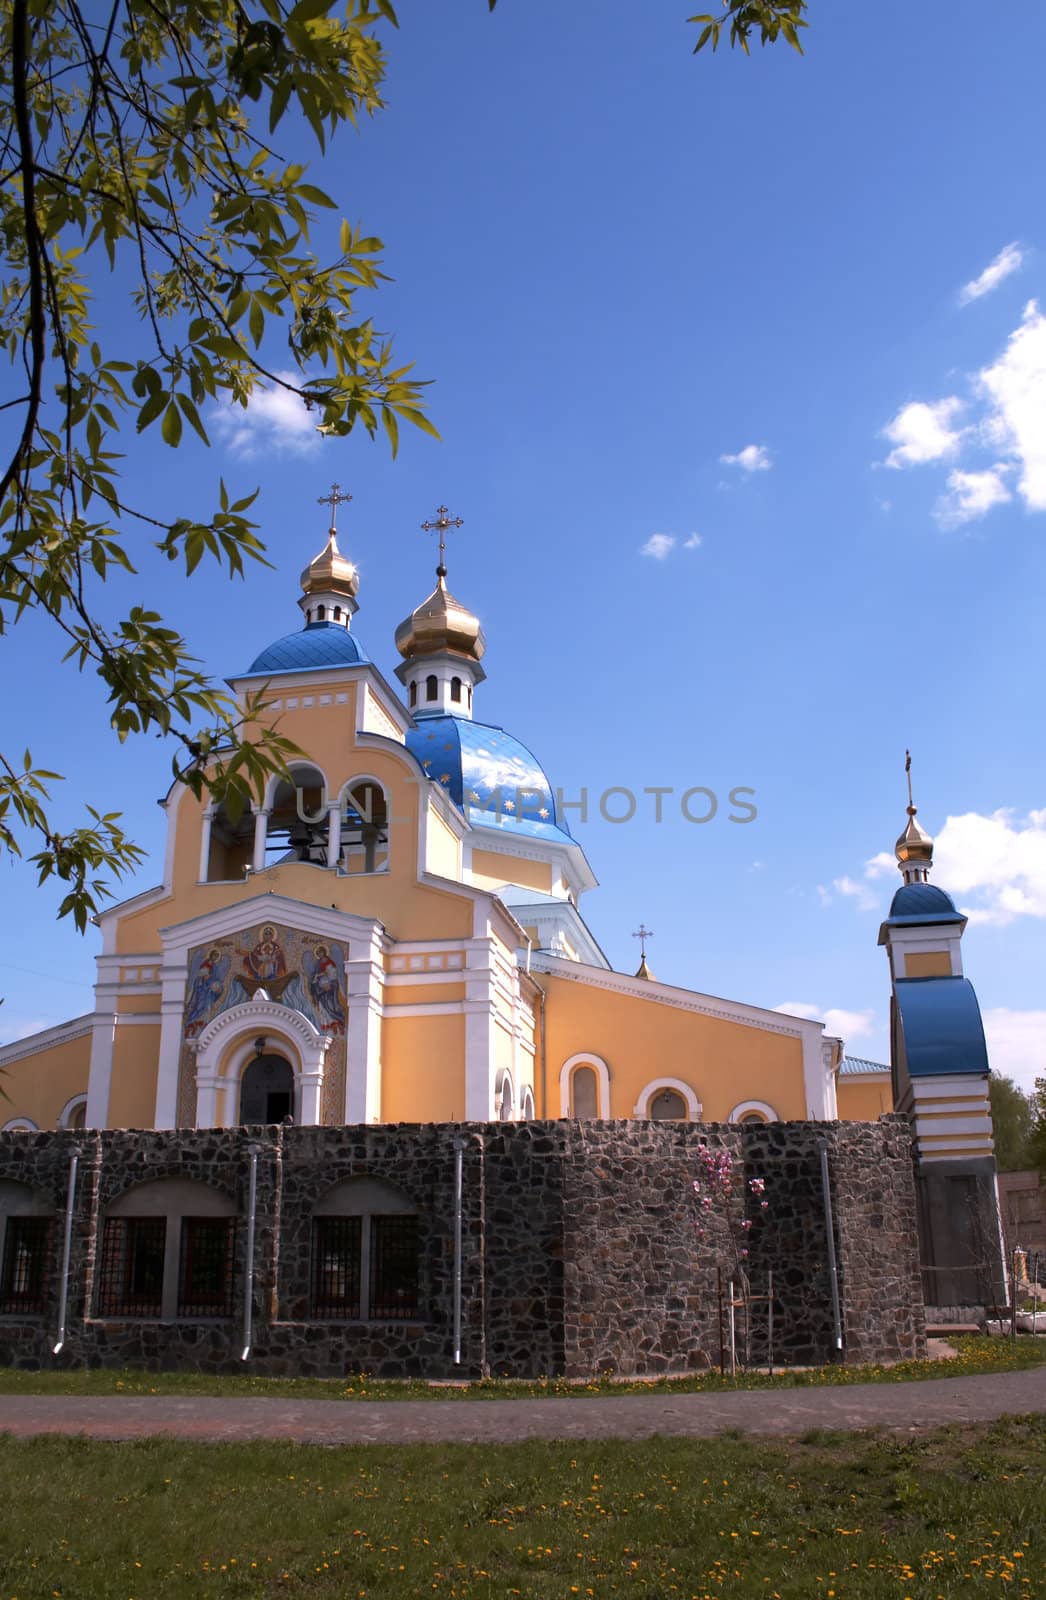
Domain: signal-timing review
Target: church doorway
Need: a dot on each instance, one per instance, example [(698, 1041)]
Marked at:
[(267, 1090)]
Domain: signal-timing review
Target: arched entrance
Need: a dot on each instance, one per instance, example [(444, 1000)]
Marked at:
[(267, 1090)]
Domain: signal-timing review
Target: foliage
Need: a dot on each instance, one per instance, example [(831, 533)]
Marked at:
[(1036, 1150), (1013, 1118), (773, 18), (136, 155), (864, 1516)]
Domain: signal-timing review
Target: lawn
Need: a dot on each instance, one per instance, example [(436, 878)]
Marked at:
[(929, 1517), (974, 1355)]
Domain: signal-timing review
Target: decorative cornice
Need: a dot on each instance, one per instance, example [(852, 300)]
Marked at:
[(253, 1014), (62, 1033)]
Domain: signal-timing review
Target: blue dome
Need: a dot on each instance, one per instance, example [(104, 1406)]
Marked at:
[(487, 772), (941, 1026), (311, 649), (925, 902)]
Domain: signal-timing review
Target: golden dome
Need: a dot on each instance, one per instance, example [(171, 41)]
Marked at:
[(915, 844), (440, 623), (643, 971), (330, 572)]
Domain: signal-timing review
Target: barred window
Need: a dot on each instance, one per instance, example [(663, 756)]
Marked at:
[(206, 1267), (24, 1274), (365, 1253), (132, 1267), (336, 1259)]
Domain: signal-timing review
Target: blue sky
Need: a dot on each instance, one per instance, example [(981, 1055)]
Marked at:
[(741, 380)]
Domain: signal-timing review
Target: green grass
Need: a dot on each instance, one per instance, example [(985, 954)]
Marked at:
[(975, 1355), (836, 1517)]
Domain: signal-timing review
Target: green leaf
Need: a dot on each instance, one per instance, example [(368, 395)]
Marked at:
[(171, 427)]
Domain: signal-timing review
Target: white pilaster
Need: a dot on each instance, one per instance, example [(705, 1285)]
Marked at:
[(172, 1006), (261, 826), (364, 980), (100, 1073), (207, 1085), (333, 833), (205, 844), (480, 1026), (311, 1090)]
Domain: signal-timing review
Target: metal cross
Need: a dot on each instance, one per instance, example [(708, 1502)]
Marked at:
[(334, 500), (643, 933), (908, 773), (442, 523)]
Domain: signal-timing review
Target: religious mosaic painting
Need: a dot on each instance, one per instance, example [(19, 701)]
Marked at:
[(298, 970)]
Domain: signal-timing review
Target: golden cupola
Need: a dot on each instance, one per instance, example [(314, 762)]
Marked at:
[(914, 847), (441, 643), (330, 582)]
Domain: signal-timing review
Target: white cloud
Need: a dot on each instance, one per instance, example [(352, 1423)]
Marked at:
[(971, 495), (753, 458), (866, 899), (1016, 1044), (659, 545), (273, 420), (999, 860), (694, 542), (1009, 259), (922, 432), (845, 1025), (880, 866), (1016, 386)]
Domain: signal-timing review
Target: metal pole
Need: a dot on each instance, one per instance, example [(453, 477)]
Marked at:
[(833, 1268), (719, 1302), (67, 1249), (733, 1331), (458, 1154), (248, 1295), (770, 1320)]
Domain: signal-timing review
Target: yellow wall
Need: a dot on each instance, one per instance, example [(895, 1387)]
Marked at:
[(640, 1040), (132, 1091), (40, 1086), (444, 848), (422, 1069), (423, 994), (863, 1100), (490, 870), (927, 964), (137, 1004)]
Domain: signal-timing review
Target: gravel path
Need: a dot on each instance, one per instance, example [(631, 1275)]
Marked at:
[(904, 1406)]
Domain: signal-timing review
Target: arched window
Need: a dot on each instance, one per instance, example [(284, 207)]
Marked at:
[(365, 1254), (231, 848), (20, 1125), (526, 1109), (168, 1250), (455, 689), (364, 828), (297, 826), (505, 1100), (753, 1111), (584, 1092), (667, 1105), (414, 693), (266, 1090), (469, 690), (321, 613), (26, 1238), (337, 613), (74, 1113), (432, 687)]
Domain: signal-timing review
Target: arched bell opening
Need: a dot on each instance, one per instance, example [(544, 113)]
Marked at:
[(364, 827), (230, 850), (297, 826)]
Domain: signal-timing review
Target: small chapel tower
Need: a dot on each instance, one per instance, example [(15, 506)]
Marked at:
[(330, 582), (939, 1065)]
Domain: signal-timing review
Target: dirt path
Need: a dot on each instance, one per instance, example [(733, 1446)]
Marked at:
[(905, 1406)]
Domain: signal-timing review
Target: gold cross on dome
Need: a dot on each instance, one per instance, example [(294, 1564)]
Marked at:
[(643, 933), (443, 521), (908, 773), (334, 500)]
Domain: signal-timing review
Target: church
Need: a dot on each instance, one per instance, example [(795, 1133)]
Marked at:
[(360, 1090), (395, 932)]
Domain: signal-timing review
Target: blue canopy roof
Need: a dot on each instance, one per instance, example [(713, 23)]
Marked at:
[(491, 775), (941, 1023), (923, 902), (315, 648)]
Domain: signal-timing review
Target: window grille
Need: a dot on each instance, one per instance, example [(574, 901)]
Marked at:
[(24, 1275), (206, 1267), (132, 1267), (336, 1247), (393, 1267)]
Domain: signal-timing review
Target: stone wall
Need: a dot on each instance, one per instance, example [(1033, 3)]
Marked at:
[(580, 1252)]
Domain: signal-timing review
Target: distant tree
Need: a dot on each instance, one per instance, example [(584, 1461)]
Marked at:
[(1036, 1149), (1013, 1121)]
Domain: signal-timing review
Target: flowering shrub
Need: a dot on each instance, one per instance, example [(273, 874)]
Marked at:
[(721, 1193)]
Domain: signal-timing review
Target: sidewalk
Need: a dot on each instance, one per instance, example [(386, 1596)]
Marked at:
[(906, 1406)]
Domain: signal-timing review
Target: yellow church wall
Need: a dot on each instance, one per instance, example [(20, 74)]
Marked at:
[(490, 870), (132, 1088), (135, 1004), (640, 1040), (40, 1086), (444, 848), (423, 994), (423, 1069), (863, 1101), (927, 964)]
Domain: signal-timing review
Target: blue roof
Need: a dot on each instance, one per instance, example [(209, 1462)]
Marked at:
[(315, 648), (495, 779), (857, 1067), (923, 902), (941, 1023)]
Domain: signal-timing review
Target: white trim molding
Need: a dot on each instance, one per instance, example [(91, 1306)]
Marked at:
[(239, 1027), (20, 1125), (656, 1085), (585, 1058), (70, 1108), (743, 1108)]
